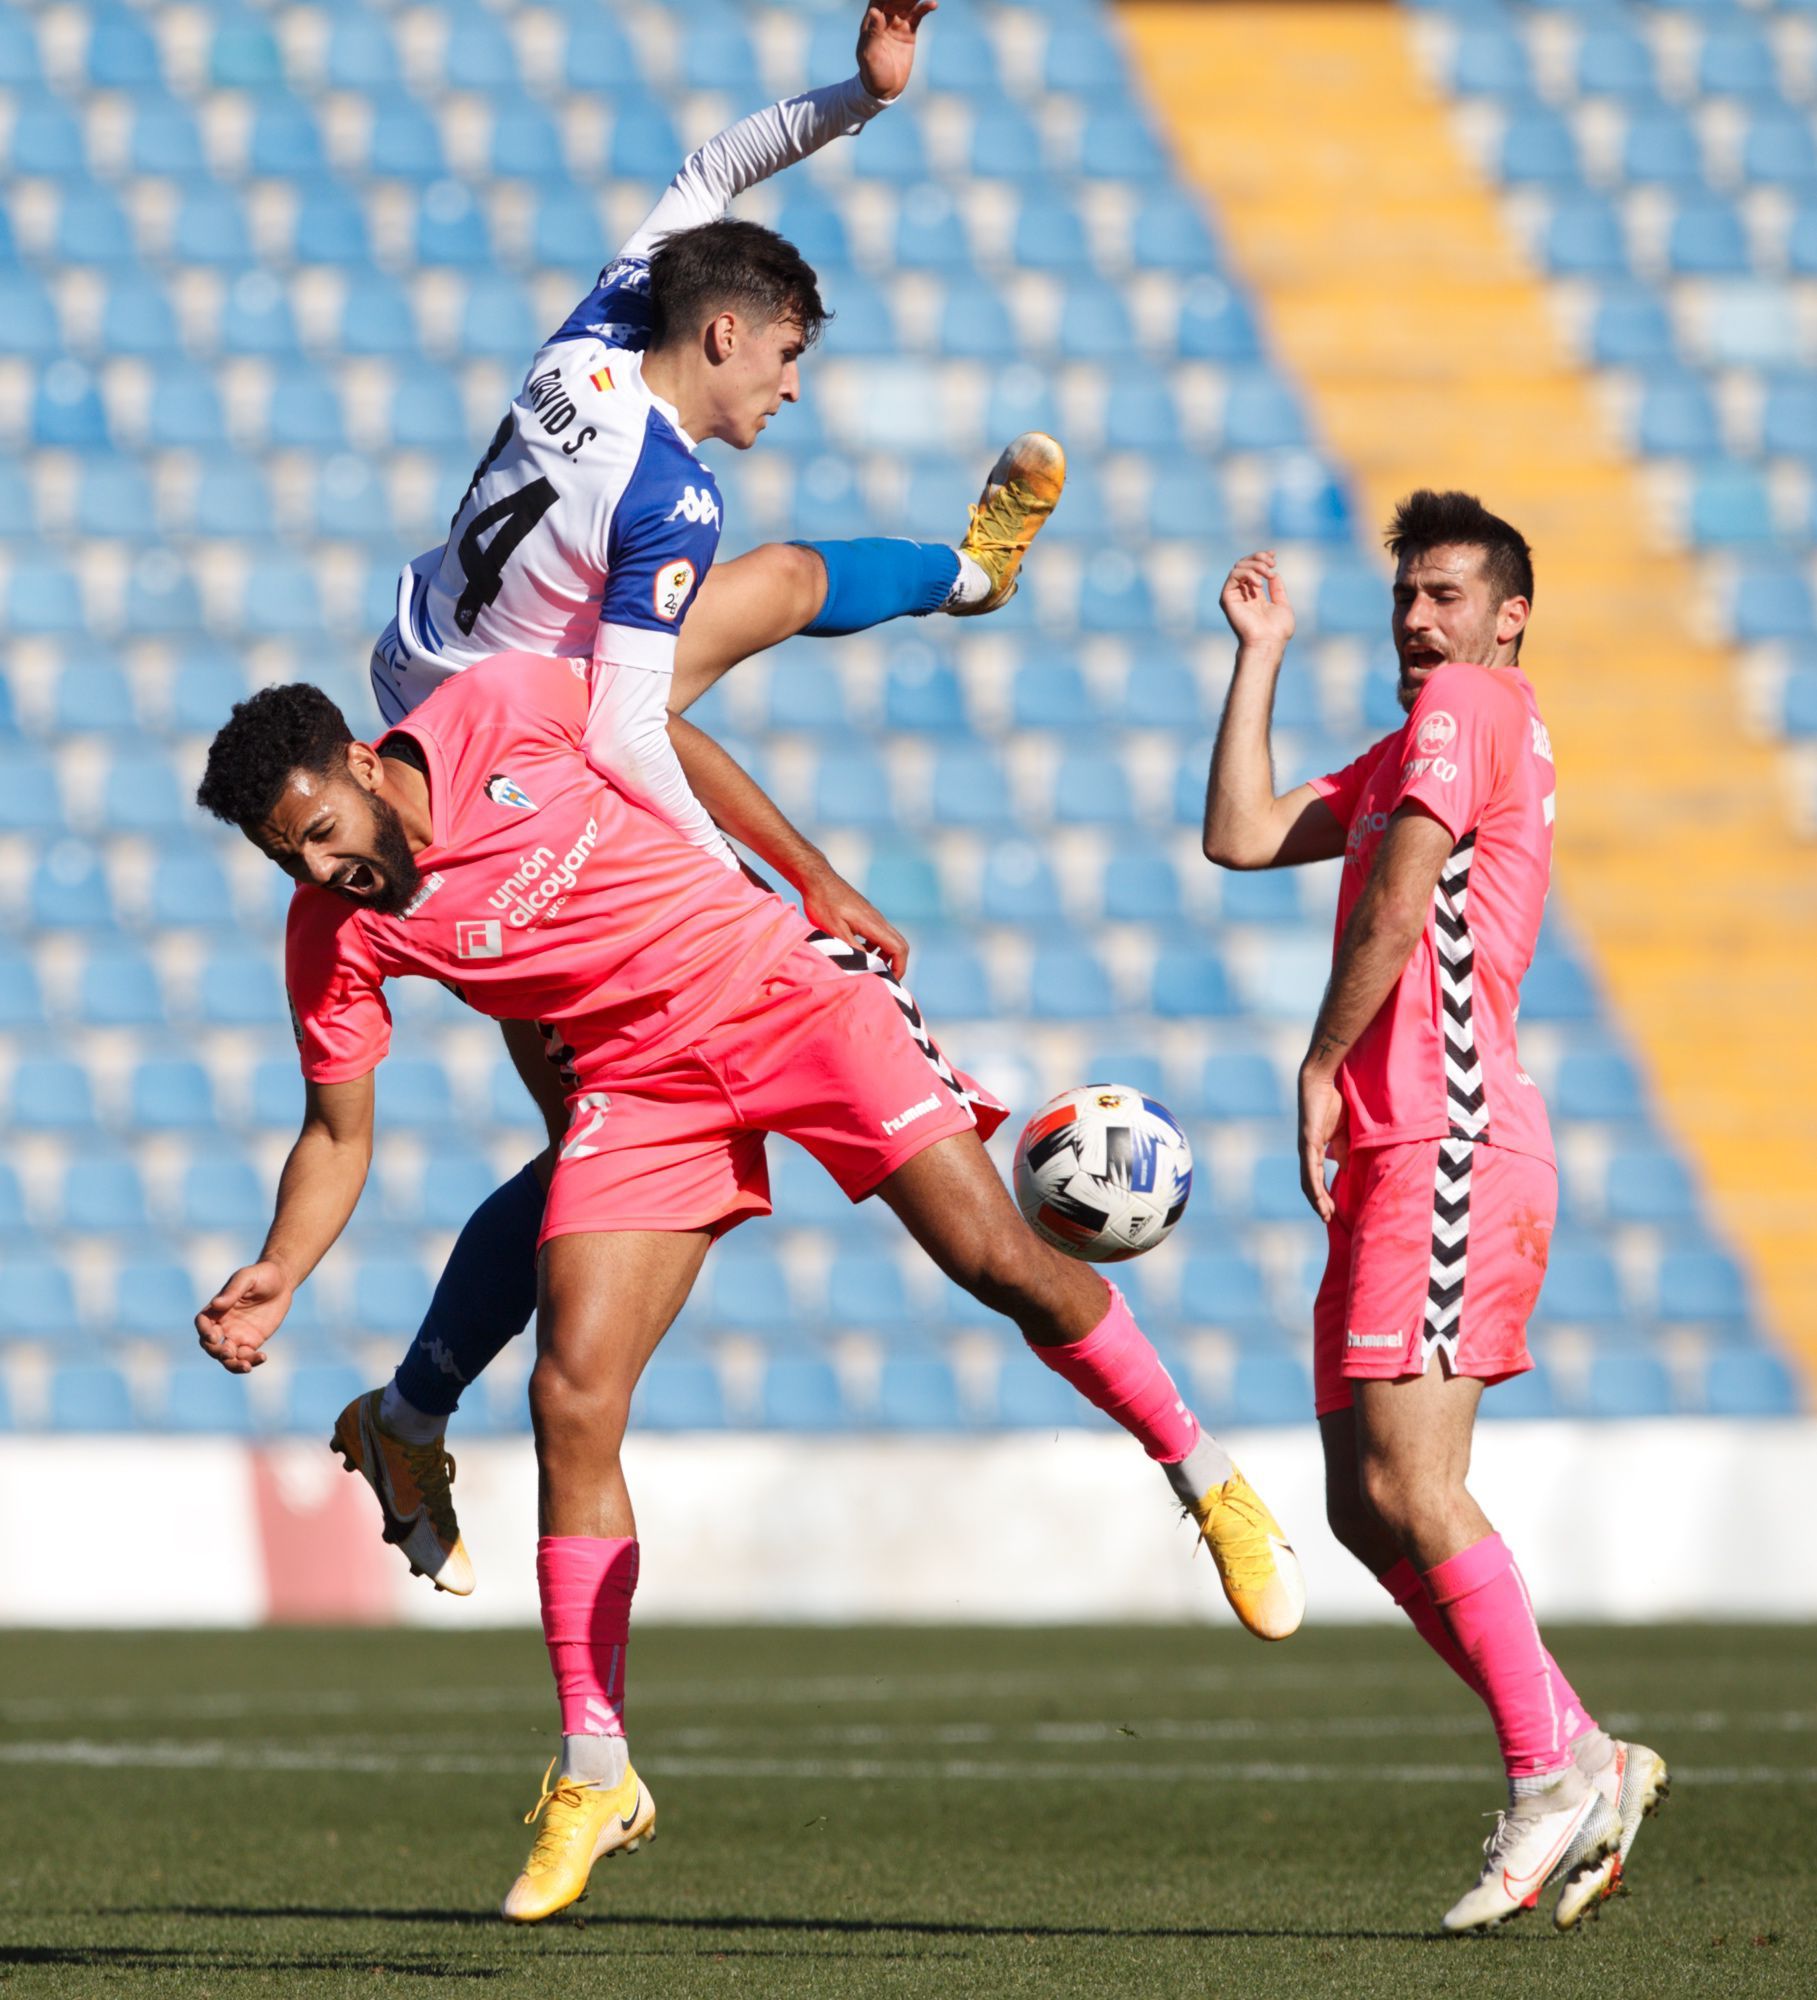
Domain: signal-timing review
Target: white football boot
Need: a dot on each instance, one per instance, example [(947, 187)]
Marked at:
[(1635, 1782), (1556, 1835)]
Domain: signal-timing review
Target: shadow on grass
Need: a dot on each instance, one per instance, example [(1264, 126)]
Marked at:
[(919, 1927)]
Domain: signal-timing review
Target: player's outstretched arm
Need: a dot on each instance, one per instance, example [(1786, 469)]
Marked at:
[(777, 137), (1246, 824), (744, 810), (317, 1192)]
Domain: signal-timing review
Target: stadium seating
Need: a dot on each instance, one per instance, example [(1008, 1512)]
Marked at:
[(251, 360)]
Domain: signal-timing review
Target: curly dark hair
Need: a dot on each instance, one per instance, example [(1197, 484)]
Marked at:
[(736, 266), (268, 736)]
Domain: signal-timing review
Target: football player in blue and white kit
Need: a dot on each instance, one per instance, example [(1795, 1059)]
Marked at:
[(589, 530)]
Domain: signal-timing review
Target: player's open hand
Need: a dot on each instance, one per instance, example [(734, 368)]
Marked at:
[(886, 44), (236, 1323), (1254, 599), (831, 902), (1321, 1111)]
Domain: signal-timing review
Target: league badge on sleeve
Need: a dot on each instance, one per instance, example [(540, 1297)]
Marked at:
[(673, 582)]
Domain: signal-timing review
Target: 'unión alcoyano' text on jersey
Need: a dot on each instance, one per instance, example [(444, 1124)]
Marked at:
[(1439, 1059), (545, 895)]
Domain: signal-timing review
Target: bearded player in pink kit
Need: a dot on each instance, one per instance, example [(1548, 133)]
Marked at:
[(693, 1012), (1441, 1213)]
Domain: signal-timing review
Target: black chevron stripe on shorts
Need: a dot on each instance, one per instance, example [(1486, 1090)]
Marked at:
[(1466, 1103), (849, 958)]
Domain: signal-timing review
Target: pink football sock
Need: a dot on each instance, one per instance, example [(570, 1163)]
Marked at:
[(586, 1582), (1116, 1370), (1408, 1589), (1484, 1603)]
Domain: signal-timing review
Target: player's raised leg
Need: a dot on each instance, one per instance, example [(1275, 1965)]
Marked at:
[(956, 1207), (606, 1300), (827, 590), (1413, 1450)]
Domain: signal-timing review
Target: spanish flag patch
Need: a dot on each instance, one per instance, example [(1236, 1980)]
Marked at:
[(602, 379)]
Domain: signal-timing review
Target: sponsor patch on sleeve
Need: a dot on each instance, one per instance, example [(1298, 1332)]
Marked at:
[(670, 595)]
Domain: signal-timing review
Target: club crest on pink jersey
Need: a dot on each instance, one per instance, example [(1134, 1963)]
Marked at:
[(503, 791), (1436, 731)]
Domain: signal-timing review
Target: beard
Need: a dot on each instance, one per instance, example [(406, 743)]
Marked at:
[(392, 862)]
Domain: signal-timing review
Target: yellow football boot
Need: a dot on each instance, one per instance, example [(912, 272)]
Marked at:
[(581, 1825), (1260, 1572), (1022, 490), (415, 1487)]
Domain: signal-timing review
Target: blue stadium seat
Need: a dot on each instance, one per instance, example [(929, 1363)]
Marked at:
[(379, 317), (1780, 148), (28, 318), (1737, 60), (21, 1001), (865, 1290), (1585, 238), (114, 499), (906, 887), (281, 594), (949, 980), (975, 325), (1094, 323), (1556, 988), (95, 695), (1239, 1085), (1605, 1087), (122, 50), (136, 315), (679, 1395), (92, 227), (119, 988), (931, 232), (1631, 328), (67, 410), (103, 1195), (1308, 503), (241, 987), (1162, 693), (453, 1184), (330, 226), (1701, 1285), (1140, 885), (1216, 324), (414, 1094), (1274, 1189), (1661, 145), (1132, 1069), (479, 55), (256, 318), (141, 793), (644, 144), (1614, 61), (1530, 1395), (1261, 413), (1052, 694), (172, 1094), (164, 139), (30, 798), (37, 1297), (317, 1393), (69, 890), (451, 228), (155, 1299), (185, 409), (748, 1292), (361, 55), (210, 226), (51, 1094), (1189, 983), (19, 63), (852, 787), (243, 53), (1224, 1288), (223, 1193), (1678, 418), (600, 56), (1582, 1285), (89, 1396), (1627, 1384), (970, 788), (800, 1393), (390, 1294), (233, 501), (201, 1399), (189, 888), (1649, 1186), (1730, 504), (45, 597), (406, 143), (1084, 61), (1069, 982), (46, 140), (1019, 886), (1771, 602), (1750, 1383), (1114, 595), (918, 1393), (816, 228), (1117, 143), (1490, 61), (921, 692), (1140, 414), (1091, 788), (960, 56), (1007, 145), (285, 143), (1538, 147), (526, 142), (1031, 1397), (277, 1094), (892, 148), (1708, 239), (1268, 1388)]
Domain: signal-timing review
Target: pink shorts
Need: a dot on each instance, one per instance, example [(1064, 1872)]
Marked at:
[(830, 1051), (1437, 1246)]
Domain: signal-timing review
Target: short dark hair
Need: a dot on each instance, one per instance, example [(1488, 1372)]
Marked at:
[(734, 266), (268, 736), (1427, 520)]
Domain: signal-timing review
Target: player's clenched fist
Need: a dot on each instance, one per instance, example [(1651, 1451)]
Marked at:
[(886, 44), (236, 1323), (1255, 601)]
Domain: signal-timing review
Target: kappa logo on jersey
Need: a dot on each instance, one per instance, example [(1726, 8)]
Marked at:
[(670, 595), (503, 791), (479, 937), (696, 506), (1437, 730)]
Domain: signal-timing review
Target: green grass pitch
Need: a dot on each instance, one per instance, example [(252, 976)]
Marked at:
[(875, 1812)]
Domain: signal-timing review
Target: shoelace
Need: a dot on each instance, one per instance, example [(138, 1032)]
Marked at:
[(432, 1467), (1248, 1560), (551, 1841), (996, 522)]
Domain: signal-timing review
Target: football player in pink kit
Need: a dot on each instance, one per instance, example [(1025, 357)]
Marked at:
[(694, 1012), (1441, 1212)]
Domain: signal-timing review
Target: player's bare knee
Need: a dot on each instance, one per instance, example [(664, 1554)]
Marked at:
[(572, 1413), (803, 575)]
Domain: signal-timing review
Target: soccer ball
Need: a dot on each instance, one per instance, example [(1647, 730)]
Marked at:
[(1102, 1173)]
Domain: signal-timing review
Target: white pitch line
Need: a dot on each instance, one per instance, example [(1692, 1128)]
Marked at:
[(85, 1753)]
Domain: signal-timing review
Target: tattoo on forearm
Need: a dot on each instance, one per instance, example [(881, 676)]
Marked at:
[(1328, 1045)]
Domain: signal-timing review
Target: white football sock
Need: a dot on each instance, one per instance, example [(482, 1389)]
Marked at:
[(970, 586), (1205, 1466), (405, 1422), (1568, 1782), (595, 1760)]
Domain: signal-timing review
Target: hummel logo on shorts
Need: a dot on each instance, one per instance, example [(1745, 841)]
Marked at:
[(1374, 1340)]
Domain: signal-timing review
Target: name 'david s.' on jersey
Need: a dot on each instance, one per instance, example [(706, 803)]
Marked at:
[(545, 895), (1440, 1057)]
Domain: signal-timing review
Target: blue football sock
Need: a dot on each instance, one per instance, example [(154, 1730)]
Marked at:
[(484, 1298), (878, 578)]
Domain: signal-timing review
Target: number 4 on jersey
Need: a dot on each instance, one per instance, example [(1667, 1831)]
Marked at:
[(507, 521)]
